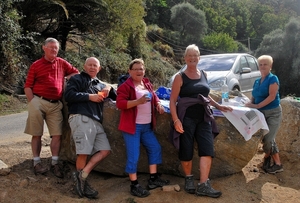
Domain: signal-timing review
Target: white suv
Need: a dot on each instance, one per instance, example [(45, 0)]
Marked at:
[(237, 70)]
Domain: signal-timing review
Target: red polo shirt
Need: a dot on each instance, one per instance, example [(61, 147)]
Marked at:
[(46, 78)]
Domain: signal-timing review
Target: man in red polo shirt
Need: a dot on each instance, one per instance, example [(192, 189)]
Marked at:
[(44, 90)]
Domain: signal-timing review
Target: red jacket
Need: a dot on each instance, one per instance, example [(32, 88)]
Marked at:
[(126, 92)]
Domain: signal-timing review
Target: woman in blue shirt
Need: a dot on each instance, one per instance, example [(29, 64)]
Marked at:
[(265, 98)]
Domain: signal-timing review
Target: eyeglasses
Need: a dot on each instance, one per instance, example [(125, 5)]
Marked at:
[(137, 69), (52, 48), (190, 56)]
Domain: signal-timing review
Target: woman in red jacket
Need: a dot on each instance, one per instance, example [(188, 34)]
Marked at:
[(137, 102)]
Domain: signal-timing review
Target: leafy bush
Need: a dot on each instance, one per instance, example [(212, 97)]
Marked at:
[(220, 41), (164, 49), (10, 104), (14, 46)]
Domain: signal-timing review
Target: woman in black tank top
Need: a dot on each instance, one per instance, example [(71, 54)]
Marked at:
[(191, 86)]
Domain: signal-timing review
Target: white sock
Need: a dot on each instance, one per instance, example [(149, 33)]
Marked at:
[(83, 174), (54, 160), (36, 160)]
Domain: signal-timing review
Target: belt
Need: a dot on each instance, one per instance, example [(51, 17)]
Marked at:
[(49, 100), (73, 115)]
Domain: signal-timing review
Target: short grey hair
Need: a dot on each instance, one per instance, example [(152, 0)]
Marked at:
[(192, 47), (51, 39)]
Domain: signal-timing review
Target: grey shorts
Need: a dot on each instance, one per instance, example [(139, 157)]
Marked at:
[(88, 134)]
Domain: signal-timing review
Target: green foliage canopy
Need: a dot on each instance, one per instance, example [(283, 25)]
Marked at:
[(283, 46), (221, 42), (189, 22), (11, 60)]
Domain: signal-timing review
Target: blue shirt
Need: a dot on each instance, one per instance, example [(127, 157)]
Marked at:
[(261, 91)]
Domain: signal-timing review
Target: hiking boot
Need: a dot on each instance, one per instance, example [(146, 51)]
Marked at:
[(275, 169), (79, 183), (39, 169), (89, 192), (189, 186), (158, 182), (137, 190), (205, 189), (57, 171), (267, 163)]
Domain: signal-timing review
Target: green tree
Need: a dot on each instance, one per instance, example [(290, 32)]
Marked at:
[(224, 16), (136, 41), (111, 20), (221, 42), (158, 13), (189, 22), (267, 16), (126, 17), (283, 46), (11, 50), (293, 5), (58, 18)]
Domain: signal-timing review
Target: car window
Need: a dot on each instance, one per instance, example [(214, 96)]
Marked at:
[(243, 63), (237, 68), (216, 63), (252, 63)]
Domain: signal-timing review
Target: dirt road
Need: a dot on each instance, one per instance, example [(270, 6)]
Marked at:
[(12, 128)]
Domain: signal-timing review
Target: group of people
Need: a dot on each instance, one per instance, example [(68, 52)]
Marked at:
[(189, 106)]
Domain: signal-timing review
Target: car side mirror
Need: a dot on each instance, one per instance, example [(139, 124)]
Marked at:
[(246, 70)]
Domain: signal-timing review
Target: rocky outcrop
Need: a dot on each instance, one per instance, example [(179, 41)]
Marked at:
[(288, 137), (232, 152)]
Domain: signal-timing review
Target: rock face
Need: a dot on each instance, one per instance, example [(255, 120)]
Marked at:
[(232, 152), (288, 137)]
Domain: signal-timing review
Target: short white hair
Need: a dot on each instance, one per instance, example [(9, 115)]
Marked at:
[(265, 57), (192, 47), (92, 58)]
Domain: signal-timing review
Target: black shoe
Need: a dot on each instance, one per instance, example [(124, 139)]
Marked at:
[(57, 171), (205, 189), (158, 182), (275, 169), (137, 190), (79, 183), (189, 186), (267, 163), (89, 192)]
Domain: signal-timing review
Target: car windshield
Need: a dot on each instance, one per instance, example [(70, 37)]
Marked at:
[(216, 63)]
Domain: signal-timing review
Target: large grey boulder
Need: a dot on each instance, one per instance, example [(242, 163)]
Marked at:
[(232, 152), (288, 137)]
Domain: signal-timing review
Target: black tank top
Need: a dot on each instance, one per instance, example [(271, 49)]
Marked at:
[(191, 88)]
